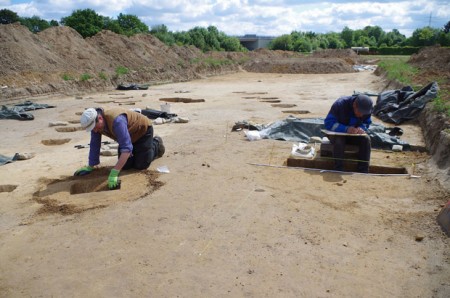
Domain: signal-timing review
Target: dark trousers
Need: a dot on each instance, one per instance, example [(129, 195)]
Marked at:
[(145, 150), (363, 143)]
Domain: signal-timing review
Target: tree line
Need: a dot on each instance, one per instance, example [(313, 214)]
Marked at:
[(88, 23), (370, 36)]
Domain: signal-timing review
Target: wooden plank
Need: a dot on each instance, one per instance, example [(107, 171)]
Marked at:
[(349, 166)]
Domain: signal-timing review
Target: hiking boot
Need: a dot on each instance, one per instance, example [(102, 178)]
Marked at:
[(161, 148)]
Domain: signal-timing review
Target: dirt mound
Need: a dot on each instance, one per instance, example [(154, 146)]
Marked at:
[(300, 65), (434, 63), (23, 51), (433, 58), (335, 53), (77, 54), (59, 60)]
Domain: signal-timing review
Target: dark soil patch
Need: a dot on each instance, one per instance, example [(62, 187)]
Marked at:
[(52, 142), (7, 188), (181, 99)]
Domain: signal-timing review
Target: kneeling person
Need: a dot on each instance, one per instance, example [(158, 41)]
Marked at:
[(132, 130)]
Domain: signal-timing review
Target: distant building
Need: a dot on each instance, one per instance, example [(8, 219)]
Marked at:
[(360, 49), (253, 42)]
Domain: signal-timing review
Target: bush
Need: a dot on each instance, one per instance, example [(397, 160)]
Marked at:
[(102, 76), (67, 77), (121, 70), (393, 50), (441, 106), (85, 77)]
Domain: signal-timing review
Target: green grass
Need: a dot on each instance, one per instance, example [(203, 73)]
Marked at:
[(121, 70), (85, 77), (440, 105), (194, 60), (217, 62), (67, 77), (102, 76), (398, 69)]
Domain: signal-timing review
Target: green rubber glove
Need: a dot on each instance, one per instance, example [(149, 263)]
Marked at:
[(83, 171), (113, 179)]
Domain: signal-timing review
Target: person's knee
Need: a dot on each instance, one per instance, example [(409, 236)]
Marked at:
[(142, 166)]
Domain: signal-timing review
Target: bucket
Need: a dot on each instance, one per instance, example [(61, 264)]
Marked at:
[(165, 107)]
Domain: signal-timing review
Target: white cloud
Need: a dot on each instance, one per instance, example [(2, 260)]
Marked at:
[(262, 17)]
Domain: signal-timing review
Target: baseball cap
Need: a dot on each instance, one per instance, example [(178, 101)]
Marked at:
[(364, 104), (87, 119)]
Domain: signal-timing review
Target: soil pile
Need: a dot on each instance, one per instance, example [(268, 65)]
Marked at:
[(434, 63), (59, 60)]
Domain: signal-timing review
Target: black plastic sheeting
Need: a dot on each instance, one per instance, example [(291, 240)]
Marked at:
[(301, 130), (19, 111), (131, 87), (397, 106), (154, 114)]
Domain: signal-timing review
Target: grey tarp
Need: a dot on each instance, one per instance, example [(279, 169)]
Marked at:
[(397, 106), (6, 159), (301, 130), (19, 111)]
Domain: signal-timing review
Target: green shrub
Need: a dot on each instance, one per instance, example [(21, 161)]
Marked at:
[(102, 75), (67, 77), (121, 70), (85, 77), (440, 105), (217, 62), (393, 50)]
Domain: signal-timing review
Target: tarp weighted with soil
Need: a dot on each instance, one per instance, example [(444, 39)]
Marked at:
[(19, 111), (397, 106), (301, 130)]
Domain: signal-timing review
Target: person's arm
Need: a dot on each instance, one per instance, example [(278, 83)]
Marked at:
[(94, 155), (366, 123), (122, 160), (332, 124), (94, 148), (120, 129)]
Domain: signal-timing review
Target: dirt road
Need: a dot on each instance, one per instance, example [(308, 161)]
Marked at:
[(216, 226)]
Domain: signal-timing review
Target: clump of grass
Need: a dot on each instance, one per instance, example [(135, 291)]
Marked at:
[(217, 62), (85, 77), (102, 76), (67, 77), (440, 105), (399, 70), (194, 60), (121, 70)]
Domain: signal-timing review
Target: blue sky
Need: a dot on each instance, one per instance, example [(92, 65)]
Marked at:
[(262, 17)]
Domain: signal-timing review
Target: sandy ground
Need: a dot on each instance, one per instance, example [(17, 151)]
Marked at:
[(216, 226)]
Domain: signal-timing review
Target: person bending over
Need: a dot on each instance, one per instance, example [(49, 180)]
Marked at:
[(352, 115), (132, 130)]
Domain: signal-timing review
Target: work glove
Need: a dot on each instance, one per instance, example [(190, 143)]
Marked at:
[(83, 171), (113, 179)]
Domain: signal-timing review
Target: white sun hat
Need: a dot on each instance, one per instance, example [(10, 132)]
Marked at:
[(87, 120)]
